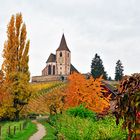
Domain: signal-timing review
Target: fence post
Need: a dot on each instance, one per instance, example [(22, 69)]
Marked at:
[(20, 127), (23, 125), (9, 131), (0, 131), (14, 130)]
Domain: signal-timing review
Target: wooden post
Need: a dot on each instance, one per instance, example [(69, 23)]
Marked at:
[(14, 130), (23, 125), (9, 131), (20, 127), (0, 131)]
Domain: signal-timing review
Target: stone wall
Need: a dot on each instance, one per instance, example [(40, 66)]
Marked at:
[(47, 78)]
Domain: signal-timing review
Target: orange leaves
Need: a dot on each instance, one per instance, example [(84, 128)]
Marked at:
[(87, 92), (15, 66)]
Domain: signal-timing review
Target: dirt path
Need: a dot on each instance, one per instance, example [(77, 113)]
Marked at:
[(40, 133)]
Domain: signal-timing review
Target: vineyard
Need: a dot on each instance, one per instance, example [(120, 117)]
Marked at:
[(37, 103)]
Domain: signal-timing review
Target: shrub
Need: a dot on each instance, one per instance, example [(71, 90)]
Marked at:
[(77, 128), (81, 112), (128, 105)]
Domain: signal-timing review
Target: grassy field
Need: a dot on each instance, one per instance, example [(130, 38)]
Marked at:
[(20, 133)]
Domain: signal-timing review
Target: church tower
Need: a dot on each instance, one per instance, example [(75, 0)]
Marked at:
[(63, 58)]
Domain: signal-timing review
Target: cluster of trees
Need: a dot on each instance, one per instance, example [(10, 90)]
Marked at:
[(88, 92), (79, 91), (97, 69), (14, 75)]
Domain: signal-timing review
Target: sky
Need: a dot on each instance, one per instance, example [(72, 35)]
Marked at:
[(110, 28)]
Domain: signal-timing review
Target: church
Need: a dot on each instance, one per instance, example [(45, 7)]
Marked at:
[(57, 65)]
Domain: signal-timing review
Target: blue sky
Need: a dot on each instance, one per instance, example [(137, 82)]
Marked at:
[(110, 28)]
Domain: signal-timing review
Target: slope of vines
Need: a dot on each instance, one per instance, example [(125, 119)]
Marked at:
[(37, 103)]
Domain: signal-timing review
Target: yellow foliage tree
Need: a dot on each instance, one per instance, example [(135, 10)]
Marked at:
[(88, 92), (55, 101), (15, 65)]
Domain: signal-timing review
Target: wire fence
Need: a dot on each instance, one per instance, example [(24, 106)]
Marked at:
[(11, 130)]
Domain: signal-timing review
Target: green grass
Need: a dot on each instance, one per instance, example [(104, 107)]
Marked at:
[(23, 134)]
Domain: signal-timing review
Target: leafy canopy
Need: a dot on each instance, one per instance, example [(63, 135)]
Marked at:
[(88, 92)]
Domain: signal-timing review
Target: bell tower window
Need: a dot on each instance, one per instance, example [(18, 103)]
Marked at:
[(60, 54)]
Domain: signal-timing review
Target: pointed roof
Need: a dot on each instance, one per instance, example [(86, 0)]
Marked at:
[(73, 69), (52, 58), (63, 45)]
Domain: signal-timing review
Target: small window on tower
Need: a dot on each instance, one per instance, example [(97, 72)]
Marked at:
[(60, 54), (68, 54)]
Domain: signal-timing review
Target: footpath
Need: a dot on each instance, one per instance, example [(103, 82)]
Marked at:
[(40, 133)]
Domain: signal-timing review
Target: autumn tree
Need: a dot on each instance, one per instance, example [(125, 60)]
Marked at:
[(97, 68), (15, 65), (128, 105), (5, 101), (1, 93), (55, 101), (88, 92), (119, 71)]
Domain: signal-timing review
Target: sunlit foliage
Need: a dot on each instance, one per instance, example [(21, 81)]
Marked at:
[(88, 92)]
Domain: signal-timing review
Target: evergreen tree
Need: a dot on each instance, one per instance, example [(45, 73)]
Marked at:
[(15, 65), (119, 71), (97, 68), (109, 78)]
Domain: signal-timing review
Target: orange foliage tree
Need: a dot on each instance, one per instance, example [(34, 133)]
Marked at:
[(1, 91), (15, 66), (5, 101), (88, 92)]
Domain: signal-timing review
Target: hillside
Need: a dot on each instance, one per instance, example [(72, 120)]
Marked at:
[(37, 103)]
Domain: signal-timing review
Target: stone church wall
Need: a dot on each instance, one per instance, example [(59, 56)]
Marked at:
[(47, 78)]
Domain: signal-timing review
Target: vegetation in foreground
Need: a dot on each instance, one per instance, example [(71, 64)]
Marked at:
[(76, 124), (25, 131)]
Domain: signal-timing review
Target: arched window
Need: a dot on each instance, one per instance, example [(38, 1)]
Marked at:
[(53, 70), (49, 70), (60, 54)]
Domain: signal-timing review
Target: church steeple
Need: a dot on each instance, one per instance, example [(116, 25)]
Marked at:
[(63, 45)]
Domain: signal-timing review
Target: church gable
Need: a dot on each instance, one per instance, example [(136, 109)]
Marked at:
[(52, 58)]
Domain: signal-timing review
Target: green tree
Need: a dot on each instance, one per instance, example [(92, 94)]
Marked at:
[(15, 65), (97, 68), (109, 78), (119, 71)]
